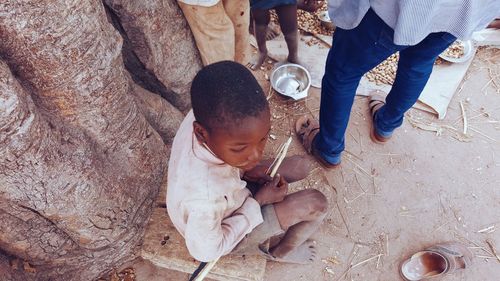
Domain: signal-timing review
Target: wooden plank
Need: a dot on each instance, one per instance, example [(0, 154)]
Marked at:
[(174, 255)]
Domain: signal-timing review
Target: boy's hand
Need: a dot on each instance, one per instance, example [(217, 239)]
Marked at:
[(258, 175), (273, 191)]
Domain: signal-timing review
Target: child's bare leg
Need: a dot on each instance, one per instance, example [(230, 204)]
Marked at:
[(300, 213), (287, 16), (261, 20), (272, 31)]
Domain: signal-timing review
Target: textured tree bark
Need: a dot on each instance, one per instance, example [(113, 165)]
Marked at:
[(82, 148), (159, 49)]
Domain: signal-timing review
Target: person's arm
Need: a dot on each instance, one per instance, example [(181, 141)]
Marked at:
[(209, 236)]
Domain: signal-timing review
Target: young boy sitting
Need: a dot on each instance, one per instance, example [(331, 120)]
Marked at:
[(217, 149)]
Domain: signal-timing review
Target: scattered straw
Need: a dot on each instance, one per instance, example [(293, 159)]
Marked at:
[(488, 229), (378, 261), (482, 134), (485, 257), (492, 247), (439, 129), (359, 167), (359, 264)]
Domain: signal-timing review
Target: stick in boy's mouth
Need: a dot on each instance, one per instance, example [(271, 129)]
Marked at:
[(217, 156)]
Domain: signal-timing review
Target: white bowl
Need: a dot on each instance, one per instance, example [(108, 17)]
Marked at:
[(469, 51)]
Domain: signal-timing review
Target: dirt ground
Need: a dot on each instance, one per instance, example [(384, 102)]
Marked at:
[(389, 201)]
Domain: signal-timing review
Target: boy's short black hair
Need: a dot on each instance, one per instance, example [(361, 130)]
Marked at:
[(224, 93)]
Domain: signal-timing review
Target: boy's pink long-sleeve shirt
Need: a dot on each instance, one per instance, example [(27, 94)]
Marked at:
[(207, 201)]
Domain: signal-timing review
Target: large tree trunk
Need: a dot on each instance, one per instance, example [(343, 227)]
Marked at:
[(159, 49), (82, 148)]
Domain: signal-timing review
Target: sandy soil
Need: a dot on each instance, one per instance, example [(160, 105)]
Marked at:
[(389, 201)]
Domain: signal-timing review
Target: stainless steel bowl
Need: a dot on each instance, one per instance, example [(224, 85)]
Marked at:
[(325, 20), (291, 80)]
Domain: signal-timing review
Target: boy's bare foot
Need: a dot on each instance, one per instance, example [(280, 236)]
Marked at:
[(303, 254), (294, 59), (258, 60)]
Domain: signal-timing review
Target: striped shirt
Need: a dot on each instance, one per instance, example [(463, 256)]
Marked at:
[(413, 20)]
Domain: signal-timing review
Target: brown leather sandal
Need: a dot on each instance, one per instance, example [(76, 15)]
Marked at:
[(375, 103), (435, 261), (306, 129)]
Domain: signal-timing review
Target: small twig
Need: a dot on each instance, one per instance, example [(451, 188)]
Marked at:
[(488, 229), (464, 116), (270, 92), (360, 140), (485, 257), (440, 227), (388, 154), (492, 247), (354, 199), (359, 167), (343, 218), (482, 134), (354, 138), (378, 261), (204, 272), (358, 264), (357, 180), (387, 244), (365, 261), (486, 85), (353, 155), (317, 37), (475, 244)]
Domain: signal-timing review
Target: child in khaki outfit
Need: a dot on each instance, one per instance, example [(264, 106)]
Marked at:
[(216, 156), (219, 27)]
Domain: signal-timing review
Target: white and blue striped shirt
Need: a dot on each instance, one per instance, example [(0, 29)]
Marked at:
[(413, 20)]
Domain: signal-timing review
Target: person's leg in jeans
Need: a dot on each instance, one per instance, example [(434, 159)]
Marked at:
[(414, 69), (353, 53)]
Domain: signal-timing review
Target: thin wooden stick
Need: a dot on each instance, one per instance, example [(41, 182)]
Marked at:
[(315, 35), (206, 270), (358, 264), (279, 158), (492, 247), (270, 93), (482, 134), (464, 116)]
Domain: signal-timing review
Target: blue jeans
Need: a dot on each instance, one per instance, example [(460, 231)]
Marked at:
[(354, 52)]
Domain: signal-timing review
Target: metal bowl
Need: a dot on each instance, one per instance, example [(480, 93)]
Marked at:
[(291, 80), (324, 17), (469, 51)]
